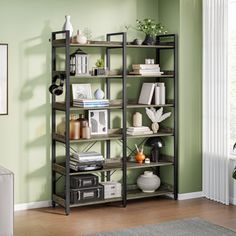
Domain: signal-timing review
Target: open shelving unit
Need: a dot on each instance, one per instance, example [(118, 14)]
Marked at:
[(62, 169)]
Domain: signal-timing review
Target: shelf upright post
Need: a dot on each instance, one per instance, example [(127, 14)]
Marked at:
[(53, 120), (108, 93), (67, 114), (124, 115), (176, 140)]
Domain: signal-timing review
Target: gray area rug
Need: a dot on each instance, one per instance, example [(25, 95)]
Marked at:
[(187, 227)]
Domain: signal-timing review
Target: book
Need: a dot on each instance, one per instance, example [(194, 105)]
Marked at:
[(146, 73), (157, 95), (145, 66), (141, 128), (146, 93), (162, 95), (156, 70), (139, 132)]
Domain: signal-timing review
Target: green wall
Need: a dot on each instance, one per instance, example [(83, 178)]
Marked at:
[(25, 132), (185, 17)]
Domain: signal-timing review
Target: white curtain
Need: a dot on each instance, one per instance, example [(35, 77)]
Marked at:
[(215, 100)]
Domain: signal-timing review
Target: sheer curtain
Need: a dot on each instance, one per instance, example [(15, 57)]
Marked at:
[(215, 100)]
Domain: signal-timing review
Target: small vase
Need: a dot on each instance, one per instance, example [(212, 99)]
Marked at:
[(67, 25), (99, 94), (148, 182), (81, 39), (149, 40), (155, 127), (139, 157)]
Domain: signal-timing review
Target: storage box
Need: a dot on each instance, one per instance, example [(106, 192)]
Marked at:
[(86, 194), (83, 181), (111, 189)]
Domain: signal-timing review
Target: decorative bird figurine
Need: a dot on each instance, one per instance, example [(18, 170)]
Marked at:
[(156, 116)]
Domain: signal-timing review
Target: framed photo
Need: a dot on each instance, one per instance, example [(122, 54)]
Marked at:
[(81, 91), (98, 121), (3, 79)]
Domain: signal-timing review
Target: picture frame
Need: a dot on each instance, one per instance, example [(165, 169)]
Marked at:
[(81, 91), (98, 122), (3, 79)]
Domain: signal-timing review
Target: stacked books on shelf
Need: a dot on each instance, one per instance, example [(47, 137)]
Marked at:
[(86, 161), (146, 70), (138, 130), (91, 102), (152, 92)]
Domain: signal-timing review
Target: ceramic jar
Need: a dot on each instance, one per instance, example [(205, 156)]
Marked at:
[(74, 128), (81, 39), (148, 182), (99, 94)]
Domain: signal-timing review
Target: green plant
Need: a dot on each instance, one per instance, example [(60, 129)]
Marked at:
[(150, 27), (100, 63)]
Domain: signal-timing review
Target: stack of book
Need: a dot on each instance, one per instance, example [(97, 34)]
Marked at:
[(139, 130), (90, 102), (85, 159), (146, 70)]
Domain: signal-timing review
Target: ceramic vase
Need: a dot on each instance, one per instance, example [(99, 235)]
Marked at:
[(155, 127), (149, 40), (148, 182), (99, 94), (139, 157), (81, 39), (67, 25)]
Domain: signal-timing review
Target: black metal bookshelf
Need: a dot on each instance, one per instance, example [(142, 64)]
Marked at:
[(62, 169)]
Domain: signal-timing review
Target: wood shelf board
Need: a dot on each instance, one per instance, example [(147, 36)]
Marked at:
[(151, 76), (62, 139), (134, 165), (61, 106), (136, 194), (97, 202), (106, 44), (158, 134)]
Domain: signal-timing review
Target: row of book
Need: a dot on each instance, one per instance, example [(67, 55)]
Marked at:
[(146, 70), (91, 102), (152, 93), (83, 160)]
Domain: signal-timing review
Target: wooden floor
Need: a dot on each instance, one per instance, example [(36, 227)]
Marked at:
[(93, 219)]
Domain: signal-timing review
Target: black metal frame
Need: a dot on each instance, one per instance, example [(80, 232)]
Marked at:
[(176, 139), (66, 45)]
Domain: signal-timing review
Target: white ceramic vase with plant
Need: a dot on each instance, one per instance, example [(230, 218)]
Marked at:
[(156, 116)]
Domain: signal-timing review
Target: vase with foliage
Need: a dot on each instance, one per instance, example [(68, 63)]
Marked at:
[(151, 29)]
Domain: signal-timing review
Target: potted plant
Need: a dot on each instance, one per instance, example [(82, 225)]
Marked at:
[(151, 29), (100, 67)]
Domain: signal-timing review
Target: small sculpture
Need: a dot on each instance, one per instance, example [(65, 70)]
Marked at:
[(156, 116)]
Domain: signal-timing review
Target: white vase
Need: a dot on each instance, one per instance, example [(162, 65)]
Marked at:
[(155, 127), (67, 25), (99, 94), (81, 39), (148, 182)]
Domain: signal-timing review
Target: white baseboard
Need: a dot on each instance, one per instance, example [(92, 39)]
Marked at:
[(31, 205), (232, 200), (185, 196)]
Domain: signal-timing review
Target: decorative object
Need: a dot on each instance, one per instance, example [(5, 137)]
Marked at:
[(3, 79), (148, 182), (151, 30), (74, 128), (156, 143), (139, 156), (81, 91), (67, 25), (99, 94), (86, 131), (81, 39), (137, 42), (100, 67), (156, 116), (79, 63), (137, 119), (112, 189), (146, 93), (82, 120), (147, 160), (98, 121)]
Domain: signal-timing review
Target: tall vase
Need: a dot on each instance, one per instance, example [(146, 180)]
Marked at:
[(67, 25), (149, 40)]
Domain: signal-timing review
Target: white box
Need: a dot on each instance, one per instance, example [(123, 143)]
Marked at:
[(111, 189), (6, 202)]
